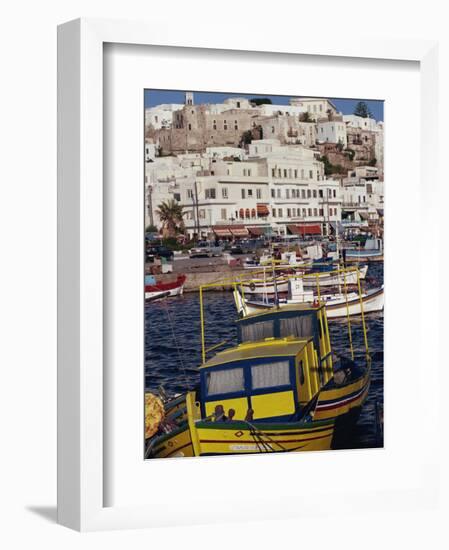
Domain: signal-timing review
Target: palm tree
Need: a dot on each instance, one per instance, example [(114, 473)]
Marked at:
[(170, 213)]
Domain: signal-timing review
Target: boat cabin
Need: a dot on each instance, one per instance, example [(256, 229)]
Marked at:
[(297, 320), (282, 360)]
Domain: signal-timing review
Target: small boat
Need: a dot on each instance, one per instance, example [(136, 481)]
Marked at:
[(372, 252), (337, 304), (333, 277), (280, 389), (268, 285), (155, 291), (251, 263), (157, 296), (272, 284)]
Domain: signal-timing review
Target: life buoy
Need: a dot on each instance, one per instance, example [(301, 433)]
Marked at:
[(252, 286)]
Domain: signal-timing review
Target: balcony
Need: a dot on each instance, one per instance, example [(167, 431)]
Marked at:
[(362, 205)]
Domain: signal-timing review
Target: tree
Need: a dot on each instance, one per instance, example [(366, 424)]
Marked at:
[(361, 109), (261, 101), (350, 153), (247, 138), (170, 214), (305, 117)]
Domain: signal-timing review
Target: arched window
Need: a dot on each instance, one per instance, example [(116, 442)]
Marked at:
[(241, 213), (253, 213), (247, 213)]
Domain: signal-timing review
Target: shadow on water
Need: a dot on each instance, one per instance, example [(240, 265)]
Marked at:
[(173, 347)]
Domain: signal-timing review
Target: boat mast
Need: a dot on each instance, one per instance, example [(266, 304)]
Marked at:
[(276, 297)]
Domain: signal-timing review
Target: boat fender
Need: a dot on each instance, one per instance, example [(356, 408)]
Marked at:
[(154, 414)]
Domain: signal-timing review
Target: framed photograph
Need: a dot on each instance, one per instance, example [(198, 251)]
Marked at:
[(232, 226)]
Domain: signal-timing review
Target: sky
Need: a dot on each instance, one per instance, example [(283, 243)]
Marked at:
[(346, 106)]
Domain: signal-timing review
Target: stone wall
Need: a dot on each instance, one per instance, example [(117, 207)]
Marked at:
[(335, 156), (194, 129), (287, 129), (362, 142)]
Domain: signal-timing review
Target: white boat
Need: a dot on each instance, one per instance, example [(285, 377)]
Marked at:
[(371, 252), (251, 263), (337, 304), (333, 278), (267, 285)]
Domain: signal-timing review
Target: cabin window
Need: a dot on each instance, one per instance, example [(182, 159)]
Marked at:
[(225, 381), (270, 375), (301, 326), (257, 331)]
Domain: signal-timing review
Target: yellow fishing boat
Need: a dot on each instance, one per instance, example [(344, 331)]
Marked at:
[(279, 389)]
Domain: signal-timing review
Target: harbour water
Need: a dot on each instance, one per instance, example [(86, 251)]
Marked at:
[(173, 346)]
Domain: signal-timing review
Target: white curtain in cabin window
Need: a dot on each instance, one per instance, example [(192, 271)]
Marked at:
[(270, 375), (225, 381), (257, 331), (297, 326)]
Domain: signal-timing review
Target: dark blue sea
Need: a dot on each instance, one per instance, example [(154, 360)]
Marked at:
[(173, 346)]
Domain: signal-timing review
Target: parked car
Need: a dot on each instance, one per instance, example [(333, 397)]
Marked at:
[(206, 249), (248, 246), (160, 251)]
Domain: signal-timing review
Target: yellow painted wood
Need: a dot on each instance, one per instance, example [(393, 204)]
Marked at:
[(239, 404), (225, 441), (273, 404), (193, 413), (178, 445)]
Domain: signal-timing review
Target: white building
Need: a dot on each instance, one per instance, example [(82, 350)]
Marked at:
[(261, 147), (362, 123), (362, 195), (282, 192), (230, 103), (316, 107), (224, 152), (332, 131), (150, 151), (161, 116)]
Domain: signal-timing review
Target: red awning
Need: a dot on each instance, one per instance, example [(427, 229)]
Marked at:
[(239, 230), (294, 229), (222, 231), (256, 231), (312, 229), (262, 210)]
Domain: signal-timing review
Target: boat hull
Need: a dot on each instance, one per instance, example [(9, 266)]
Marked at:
[(373, 301), (334, 279), (258, 286), (175, 288), (230, 438)]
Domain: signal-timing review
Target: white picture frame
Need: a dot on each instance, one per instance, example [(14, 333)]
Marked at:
[(81, 398)]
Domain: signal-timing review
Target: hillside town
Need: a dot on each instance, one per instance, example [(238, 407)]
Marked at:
[(245, 168)]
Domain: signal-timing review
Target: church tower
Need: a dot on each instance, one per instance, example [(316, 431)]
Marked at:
[(189, 98)]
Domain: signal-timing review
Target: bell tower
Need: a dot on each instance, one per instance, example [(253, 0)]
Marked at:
[(189, 98)]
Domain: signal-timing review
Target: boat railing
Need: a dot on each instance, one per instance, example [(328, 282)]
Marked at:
[(238, 285)]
